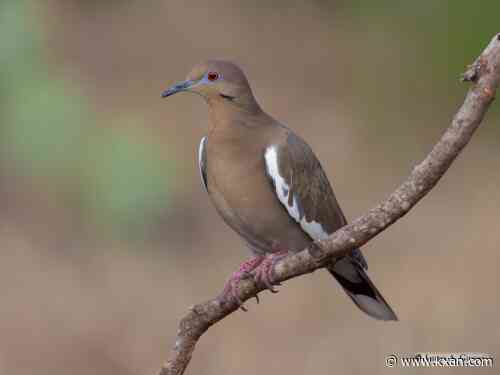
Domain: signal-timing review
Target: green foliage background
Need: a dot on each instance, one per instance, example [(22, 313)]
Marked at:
[(48, 134), (120, 176)]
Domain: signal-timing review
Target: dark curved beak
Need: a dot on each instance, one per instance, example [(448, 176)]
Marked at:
[(178, 87)]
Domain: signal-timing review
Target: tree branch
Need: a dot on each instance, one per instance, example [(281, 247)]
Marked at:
[(485, 74)]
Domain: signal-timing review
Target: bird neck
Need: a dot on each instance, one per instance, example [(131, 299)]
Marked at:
[(234, 116)]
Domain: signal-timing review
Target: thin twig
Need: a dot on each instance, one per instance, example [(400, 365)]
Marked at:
[(485, 75)]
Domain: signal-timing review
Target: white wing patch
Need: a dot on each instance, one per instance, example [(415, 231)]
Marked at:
[(200, 160), (312, 228)]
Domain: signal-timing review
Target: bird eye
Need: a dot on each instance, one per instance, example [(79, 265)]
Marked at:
[(213, 76)]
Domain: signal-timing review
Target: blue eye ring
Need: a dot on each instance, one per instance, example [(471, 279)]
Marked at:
[(213, 76)]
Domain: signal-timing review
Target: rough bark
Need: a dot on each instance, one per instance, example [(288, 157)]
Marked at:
[(484, 73)]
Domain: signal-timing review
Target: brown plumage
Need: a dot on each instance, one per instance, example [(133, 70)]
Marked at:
[(266, 182)]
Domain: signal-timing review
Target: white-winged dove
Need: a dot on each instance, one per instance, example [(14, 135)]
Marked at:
[(268, 185)]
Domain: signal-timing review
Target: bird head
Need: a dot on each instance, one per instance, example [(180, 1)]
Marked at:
[(218, 82)]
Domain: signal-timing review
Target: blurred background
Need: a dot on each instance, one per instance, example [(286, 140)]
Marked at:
[(107, 236)]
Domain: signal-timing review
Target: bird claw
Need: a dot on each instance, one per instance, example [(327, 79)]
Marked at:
[(264, 273), (231, 287), (261, 269)]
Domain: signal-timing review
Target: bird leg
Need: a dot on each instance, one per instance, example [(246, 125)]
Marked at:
[(263, 273)]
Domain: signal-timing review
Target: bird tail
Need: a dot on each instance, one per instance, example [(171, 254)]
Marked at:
[(356, 283)]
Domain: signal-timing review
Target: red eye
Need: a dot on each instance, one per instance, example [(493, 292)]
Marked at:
[(213, 76)]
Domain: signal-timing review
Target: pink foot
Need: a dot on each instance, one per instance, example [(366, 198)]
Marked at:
[(263, 267), (244, 272), (264, 273)]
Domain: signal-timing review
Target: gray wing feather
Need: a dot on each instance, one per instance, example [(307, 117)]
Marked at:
[(306, 192)]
